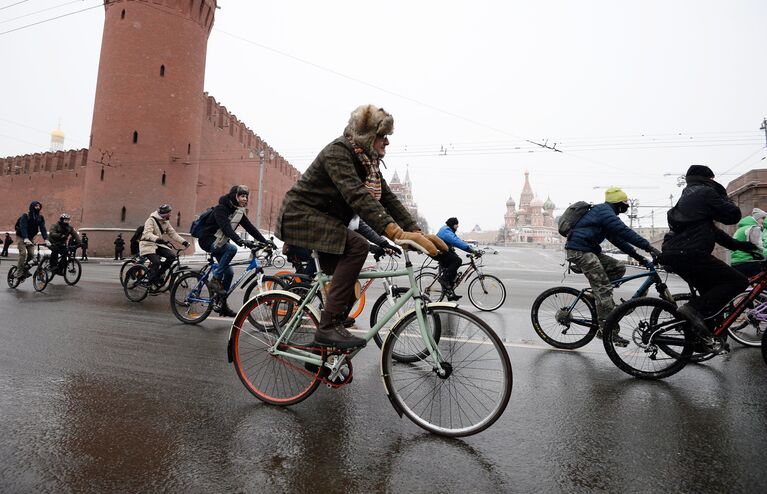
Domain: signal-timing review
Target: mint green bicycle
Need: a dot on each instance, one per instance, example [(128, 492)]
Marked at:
[(455, 384)]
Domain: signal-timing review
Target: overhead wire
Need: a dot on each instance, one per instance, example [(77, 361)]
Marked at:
[(41, 11)]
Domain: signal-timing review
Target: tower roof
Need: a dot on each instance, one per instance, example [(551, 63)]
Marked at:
[(510, 202), (395, 178), (527, 192), (549, 204)]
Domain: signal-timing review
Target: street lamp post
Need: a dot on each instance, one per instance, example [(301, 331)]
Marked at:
[(260, 186)]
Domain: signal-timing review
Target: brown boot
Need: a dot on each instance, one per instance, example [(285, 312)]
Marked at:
[(331, 332)]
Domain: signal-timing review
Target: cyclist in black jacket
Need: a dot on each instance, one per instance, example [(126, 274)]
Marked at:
[(687, 248), (218, 230)]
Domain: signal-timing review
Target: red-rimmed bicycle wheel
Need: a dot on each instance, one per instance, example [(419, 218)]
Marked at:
[(274, 379)]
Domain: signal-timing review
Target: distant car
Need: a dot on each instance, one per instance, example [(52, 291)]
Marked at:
[(489, 250)]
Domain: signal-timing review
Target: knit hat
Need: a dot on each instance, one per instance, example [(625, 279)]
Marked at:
[(700, 171), (451, 222), (365, 124), (758, 213), (615, 194)]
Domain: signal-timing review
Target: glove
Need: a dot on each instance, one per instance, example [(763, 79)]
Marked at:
[(272, 245), (392, 248), (27, 242), (477, 252), (655, 253), (377, 251), (248, 243), (394, 232), (185, 243), (643, 261), (160, 241), (47, 243), (441, 245)]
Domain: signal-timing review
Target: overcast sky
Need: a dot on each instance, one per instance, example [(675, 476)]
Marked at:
[(631, 92)]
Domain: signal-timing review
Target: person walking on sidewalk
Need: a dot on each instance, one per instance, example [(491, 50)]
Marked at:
[(84, 247), (6, 243), (119, 247)]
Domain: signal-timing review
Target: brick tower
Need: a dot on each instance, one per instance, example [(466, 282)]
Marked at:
[(147, 116)]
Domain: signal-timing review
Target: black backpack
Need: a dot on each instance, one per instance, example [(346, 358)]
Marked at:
[(572, 216), (199, 223)]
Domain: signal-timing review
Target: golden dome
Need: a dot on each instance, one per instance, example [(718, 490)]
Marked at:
[(57, 133)]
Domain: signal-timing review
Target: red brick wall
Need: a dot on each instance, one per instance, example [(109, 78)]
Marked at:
[(54, 179), (229, 155)]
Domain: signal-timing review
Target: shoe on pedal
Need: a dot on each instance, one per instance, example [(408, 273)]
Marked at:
[(452, 297), (225, 311), (349, 322), (332, 333), (697, 322)]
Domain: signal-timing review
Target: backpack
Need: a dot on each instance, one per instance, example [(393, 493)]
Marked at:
[(198, 224), (572, 216), (137, 234)]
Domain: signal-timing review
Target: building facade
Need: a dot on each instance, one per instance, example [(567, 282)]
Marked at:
[(156, 137), (533, 222), (404, 192)]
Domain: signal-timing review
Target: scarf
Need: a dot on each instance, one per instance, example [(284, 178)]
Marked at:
[(234, 220), (372, 173)]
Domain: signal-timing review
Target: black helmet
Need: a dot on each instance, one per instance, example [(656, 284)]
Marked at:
[(164, 209), (64, 216)]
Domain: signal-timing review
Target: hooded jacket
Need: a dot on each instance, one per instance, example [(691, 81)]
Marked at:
[(691, 220), (748, 231), (30, 223), (220, 220), (599, 223)]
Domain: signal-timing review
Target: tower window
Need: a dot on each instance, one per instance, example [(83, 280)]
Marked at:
[(178, 219), (163, 178), (102, 173), (135, 136), (122, 214), (162, 70), (122, 15), (189, 148)]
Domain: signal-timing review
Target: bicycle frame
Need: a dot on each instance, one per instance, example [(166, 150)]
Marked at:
[(322, 279), (651, 275), (250, 272), (759, 284)]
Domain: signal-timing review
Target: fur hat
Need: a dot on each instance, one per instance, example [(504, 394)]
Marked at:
[(758, 213), (699, 171), (615, 194), (367, 122)]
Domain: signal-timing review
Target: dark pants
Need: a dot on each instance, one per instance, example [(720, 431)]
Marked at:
[(159, 266), (345, 269), (59, 257), (118, 253), (449, 262), (716, 282), (748, 269), (84, 255), (5, 249)]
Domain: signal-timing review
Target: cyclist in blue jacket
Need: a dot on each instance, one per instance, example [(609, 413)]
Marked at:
[(449, 261), (585, 253)]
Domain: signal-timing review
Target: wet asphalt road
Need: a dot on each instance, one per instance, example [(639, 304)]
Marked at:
[(98, 394)]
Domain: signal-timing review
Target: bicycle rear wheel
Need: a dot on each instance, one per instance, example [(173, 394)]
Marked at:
[(72, 272), (278, 262), (487, 292), (13, 281), (562, 322), (430, 286), (381, 307), (764, 347), (136, 286), (272, 378), (657, 340), (476, 386), (40, 279), (190, 298)]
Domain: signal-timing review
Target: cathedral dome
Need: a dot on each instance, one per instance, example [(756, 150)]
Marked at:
[(536, 203), (510, 202), (549, 204)]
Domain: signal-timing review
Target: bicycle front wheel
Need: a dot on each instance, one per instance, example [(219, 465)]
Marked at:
[(278, 262), (487, 292), (764, 347), (646, 338), (564, 318), (746, 330), (274, 378), (40, 279), (190, 299), (381, 306), (72, 272), (475, 387), (13, 281), (430, 286), (136, 287)]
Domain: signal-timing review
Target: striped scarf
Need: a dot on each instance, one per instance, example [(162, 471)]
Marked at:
[(373, 175)]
